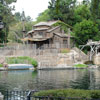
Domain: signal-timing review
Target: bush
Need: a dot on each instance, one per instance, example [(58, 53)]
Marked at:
[(1, 65), (89, 62), (81, 66), (90, 94), (65, 50), (22, 60)]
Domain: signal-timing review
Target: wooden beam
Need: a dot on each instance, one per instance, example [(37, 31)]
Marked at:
[(69, 38)]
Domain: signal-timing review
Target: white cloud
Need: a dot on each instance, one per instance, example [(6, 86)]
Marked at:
[(32, 7)]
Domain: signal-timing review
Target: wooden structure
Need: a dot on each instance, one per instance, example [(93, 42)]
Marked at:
[(46, 33), (94, 48)]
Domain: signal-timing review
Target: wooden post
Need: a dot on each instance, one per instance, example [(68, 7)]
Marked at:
[(23, 23), (69, 38)]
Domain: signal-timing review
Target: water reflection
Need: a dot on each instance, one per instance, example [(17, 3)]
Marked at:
[(87, 81), (50, 79)]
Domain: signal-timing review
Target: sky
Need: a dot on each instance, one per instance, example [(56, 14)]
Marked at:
[(32, 8)]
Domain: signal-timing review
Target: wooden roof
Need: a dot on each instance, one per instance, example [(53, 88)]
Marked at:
[(35, 39), (40, 29), (49, 23), (62, 35), (50, 30)]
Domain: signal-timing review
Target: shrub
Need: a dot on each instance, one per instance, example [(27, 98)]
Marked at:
[(80, 65), (95, 94), (65, 50), (22, 60), (90, 94), (89, 62), (1, 65)]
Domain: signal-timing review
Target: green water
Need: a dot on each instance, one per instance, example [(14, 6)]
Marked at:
[(50, 79)]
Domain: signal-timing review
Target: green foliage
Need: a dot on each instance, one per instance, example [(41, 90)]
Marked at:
[(81, 66), (1, 65), (15, 32), (21, 16), (73, 93), (65, 50), (81, 12), (89, 62), (95, 95), (22, 60), (9, 1), (86, 30), (16, 28), (63, 25), (12, 23), (7, 18), (95, 9), (62, 10), (44, 16)]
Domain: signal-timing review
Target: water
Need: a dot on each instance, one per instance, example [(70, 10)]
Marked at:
[(50, 79)]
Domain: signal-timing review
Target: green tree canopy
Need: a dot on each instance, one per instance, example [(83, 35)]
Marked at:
[(81, 12), (7, 17), (44, 16), (62, 10), (86, 30), (95, 11)]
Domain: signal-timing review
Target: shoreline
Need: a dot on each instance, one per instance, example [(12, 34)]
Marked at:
[(11, 67), (50, 68)]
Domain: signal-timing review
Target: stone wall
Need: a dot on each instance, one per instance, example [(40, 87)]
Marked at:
[(48, 58), (96, 59), (60, 60)]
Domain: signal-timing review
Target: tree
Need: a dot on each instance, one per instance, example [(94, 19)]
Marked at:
[(21, 16), (81, 12), (15, 31), (86, 30), (95, 11), (7, 17), (95, 4), (18, 16), (62, 10), (44, 16)]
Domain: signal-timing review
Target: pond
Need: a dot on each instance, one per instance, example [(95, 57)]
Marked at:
[(50, 79)]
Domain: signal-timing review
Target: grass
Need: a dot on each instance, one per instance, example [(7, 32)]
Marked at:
[(81, 66), (22, 60), (1, 65)]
